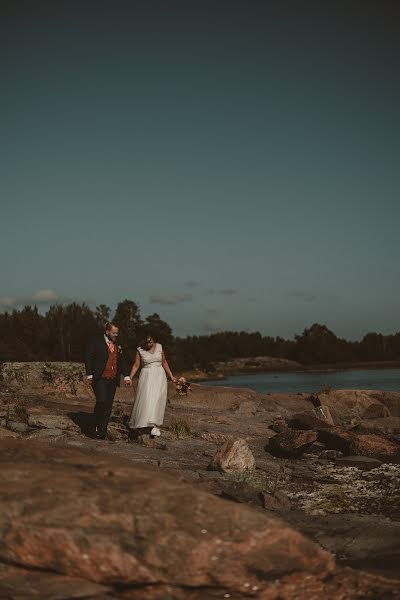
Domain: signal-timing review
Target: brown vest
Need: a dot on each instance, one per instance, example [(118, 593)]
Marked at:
[(110, 370)]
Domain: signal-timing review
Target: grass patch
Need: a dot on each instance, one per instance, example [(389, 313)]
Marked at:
[(181, 429), (18, 409), (258, 479)]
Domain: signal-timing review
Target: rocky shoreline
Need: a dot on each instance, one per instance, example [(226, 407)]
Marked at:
[(269, 496)]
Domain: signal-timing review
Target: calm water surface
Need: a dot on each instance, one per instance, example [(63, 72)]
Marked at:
[(372, 379)]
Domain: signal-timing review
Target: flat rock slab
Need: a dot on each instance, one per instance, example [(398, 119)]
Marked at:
[(105, 520), (361, 462), (50, 421)]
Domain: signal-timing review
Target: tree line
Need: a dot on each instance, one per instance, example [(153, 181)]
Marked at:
[(62, 333)]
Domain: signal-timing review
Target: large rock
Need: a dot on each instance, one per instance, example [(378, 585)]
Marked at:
[(107, 521), (235, 455), (311, 420), (374, 446), (346, 405), (336, 438), (358, 444), (291, 443)]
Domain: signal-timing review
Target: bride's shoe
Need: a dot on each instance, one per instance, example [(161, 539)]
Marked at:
[(155, 432)]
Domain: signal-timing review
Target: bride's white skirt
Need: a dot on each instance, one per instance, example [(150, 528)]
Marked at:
[(151, 398)]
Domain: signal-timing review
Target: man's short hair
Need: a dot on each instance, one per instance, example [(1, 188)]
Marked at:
[(110, 324)]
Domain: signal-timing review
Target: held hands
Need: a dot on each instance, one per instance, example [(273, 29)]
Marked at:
[(127, 381)]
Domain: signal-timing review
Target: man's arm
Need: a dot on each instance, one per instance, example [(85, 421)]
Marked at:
[(124, 368), (89, 359)]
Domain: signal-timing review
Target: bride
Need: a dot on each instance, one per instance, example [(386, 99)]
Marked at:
[(151, 393)]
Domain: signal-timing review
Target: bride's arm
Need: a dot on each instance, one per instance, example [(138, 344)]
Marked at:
[(135, 366), (167, 369)]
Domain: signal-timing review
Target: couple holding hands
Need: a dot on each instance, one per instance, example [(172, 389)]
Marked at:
[(105, 363)]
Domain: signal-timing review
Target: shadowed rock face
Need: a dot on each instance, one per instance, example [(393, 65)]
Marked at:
[(74, 525), (116, 524)]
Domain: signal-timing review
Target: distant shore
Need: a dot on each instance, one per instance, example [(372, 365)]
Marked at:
[(249, 366)]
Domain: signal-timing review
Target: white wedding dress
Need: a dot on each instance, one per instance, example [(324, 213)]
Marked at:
[(151, 393)]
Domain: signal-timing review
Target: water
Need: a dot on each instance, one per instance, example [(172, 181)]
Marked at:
[(367, 379)]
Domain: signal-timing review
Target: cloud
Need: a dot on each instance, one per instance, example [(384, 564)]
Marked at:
[(214, 325), (301, 295), (170, 298), (45, 296), (7, 301), (311, 296), (228, 292)]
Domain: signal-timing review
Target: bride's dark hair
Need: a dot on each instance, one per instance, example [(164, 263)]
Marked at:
[(146, 335)]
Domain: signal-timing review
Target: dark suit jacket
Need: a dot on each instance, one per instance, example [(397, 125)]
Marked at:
[(96, 357)]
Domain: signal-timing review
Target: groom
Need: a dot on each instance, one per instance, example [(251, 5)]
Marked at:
[(105, 363)]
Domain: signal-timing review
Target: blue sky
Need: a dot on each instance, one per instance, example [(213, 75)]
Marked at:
[(229, 165)]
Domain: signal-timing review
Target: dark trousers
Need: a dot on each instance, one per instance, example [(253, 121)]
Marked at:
[(104, 390)]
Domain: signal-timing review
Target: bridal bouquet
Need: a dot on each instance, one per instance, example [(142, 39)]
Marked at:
[(183, 386)]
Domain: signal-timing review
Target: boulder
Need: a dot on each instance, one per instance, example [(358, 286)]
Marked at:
[(351, 443), (311, 420), (345, 405), (123, 525), (291, 443), (336, 438), (235, 455), (374, 446)]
